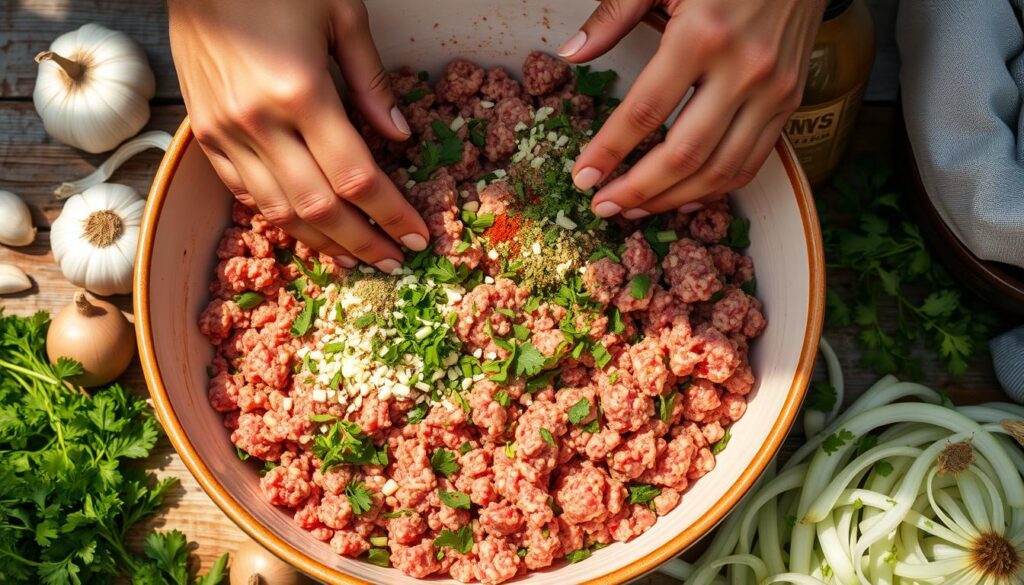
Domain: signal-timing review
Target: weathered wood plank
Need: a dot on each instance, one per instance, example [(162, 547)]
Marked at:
[(28, 27), (32, 164)]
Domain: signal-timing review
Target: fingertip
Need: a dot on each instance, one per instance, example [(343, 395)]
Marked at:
[(401, 124), (586, 178), (607, 208), (388, 265), (414, 242), (572, 47)]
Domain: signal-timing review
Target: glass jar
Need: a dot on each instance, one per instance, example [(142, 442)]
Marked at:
[(840, 65)]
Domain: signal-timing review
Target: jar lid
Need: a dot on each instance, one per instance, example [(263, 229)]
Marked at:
[(835, 8)]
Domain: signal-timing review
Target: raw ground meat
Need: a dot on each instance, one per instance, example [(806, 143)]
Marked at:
[(544, 477)]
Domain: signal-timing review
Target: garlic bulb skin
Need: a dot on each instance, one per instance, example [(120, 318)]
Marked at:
[(95, 236), (93, 88), (16, 227), (13, 280)]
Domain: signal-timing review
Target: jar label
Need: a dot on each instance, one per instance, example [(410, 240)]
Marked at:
[(819, 133)]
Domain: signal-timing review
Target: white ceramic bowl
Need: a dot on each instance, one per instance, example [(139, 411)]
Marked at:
[(188, 207)]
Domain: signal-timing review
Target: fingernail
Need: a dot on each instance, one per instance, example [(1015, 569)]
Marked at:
[(414, 242), (346, 261), (635, 213), (573, 45), (606, 209), (399, 121), (586, 178), (388, 265), (691, 206)]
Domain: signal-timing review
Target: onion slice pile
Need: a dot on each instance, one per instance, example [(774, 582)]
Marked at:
[(902, 488)]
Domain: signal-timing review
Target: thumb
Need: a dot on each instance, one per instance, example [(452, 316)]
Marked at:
[(612, 20), (364, 73)]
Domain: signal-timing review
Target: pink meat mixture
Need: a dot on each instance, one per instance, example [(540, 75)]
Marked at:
[(687, 339)]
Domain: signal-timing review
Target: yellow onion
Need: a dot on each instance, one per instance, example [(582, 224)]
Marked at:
[(254, 565), (95, 333)]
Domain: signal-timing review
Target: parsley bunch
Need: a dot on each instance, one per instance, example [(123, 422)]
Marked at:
[(891, 266), (69, 490)]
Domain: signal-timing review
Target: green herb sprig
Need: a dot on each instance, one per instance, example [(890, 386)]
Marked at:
[(892, 266)]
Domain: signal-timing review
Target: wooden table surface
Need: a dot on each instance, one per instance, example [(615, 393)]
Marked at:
[(32, 164)]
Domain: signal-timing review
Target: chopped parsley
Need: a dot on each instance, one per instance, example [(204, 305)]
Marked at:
[(579, 411), (438, 154), (722, 443), (739, 233), (444, 462), (417, 413), (595, 84), (639, 286), (460, 540), (345, 443), (454, 499), (379, 556), (414, 95), (359, 497), (547, 437), (478, 132), (249, 300), (643, 493), (665, 404)]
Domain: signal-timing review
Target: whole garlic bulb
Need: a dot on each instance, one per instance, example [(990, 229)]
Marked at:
[(16, 227), (95, 236), (93, 88)]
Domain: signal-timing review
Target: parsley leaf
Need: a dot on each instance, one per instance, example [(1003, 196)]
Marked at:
[(529, 361), (478, 132), (454, 499), (822, 398), (460, 540), (595, 84), (665, 404), (601, 355), (833, 442), (642, 493), (722, 443), (548, 437), (578, 555), (639, 286), (379, 556), (249, 300), (414, 95), (444, 462), (579, 411), (438, 154), (739, 233), (359, 497)]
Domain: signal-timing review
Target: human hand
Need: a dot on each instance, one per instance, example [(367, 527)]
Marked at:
[(748, 62), (254, 75)]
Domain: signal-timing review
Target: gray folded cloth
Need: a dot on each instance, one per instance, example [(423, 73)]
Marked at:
[(961, 80), (1008, 358)]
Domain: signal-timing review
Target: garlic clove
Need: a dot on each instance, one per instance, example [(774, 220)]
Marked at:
[(13, 280), (16, 227)]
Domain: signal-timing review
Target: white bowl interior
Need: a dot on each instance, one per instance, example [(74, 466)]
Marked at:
[(197, 209)]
